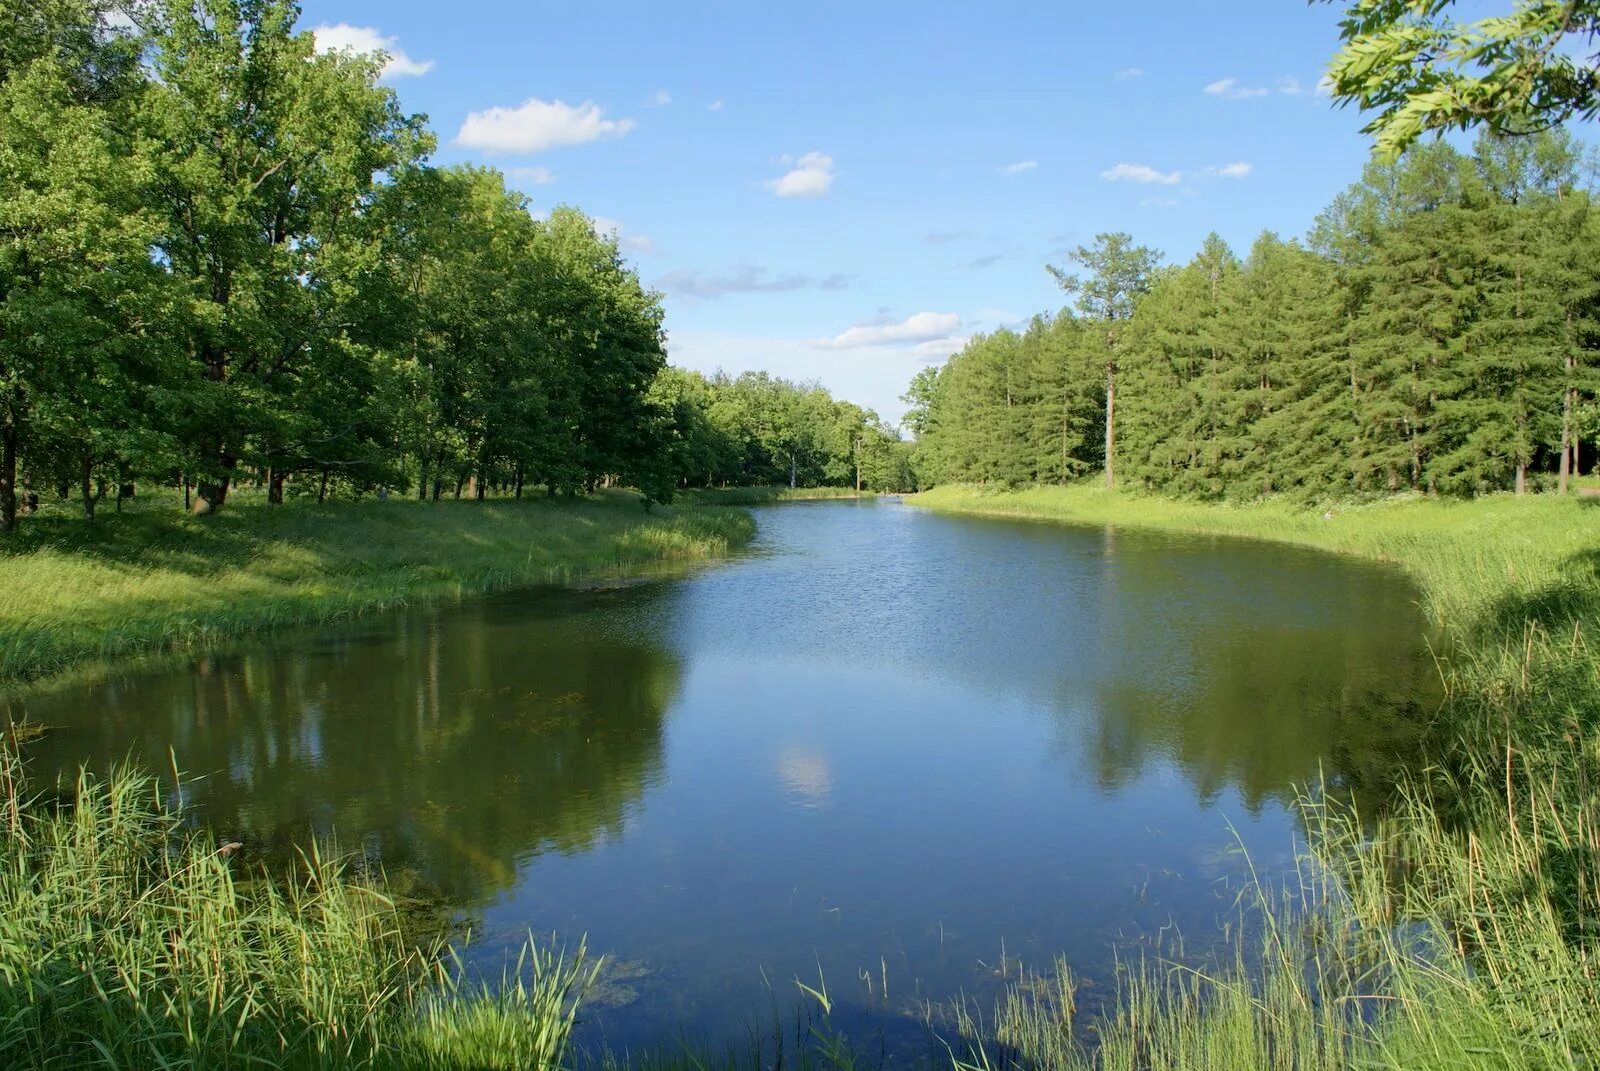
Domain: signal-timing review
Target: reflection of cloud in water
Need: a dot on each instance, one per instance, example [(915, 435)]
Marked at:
[(804, 773)]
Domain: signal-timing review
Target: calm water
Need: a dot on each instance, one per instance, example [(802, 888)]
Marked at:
[(884, 741)]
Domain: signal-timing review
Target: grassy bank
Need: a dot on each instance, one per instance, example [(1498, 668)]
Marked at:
[(127, 942), (755, 496), (156, 580), (1458, 929)]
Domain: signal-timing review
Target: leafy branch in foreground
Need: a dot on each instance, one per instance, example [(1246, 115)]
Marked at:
[(1422, 70)]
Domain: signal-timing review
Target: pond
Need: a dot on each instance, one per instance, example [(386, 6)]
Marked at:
[(884, 744)]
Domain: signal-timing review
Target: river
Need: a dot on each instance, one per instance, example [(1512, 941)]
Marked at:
[(883, 743)]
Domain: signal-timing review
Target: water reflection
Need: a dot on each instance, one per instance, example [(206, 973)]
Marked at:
[(453, 744)]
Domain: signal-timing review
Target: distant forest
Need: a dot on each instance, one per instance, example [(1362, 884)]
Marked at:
[(1438, 330), (224, 259)]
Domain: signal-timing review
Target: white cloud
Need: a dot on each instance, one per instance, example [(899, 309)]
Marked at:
[(936, 351), (1238, 169), (1141, 173), (1325, 86), (642, 244), (1291, 87), (537, 125), (342, 37), (921, 327), (1129, 72), (810, 177), (662, 98), (1230, 89), (532, 176), (1158, 202), (745, 279), (714, 106), (1019, 167)]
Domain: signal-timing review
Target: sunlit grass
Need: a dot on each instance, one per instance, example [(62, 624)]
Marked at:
[(157, 580)]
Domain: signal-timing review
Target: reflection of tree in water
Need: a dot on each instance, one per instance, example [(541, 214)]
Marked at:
[(454, 746), (1274, 721), (1321, 672)]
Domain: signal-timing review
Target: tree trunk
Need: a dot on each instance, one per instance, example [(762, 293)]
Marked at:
[(86, 486), (519, 481), (1522, 476), (1568, 462), (275, 479), (322, 490), (1111, 424), (480, 488), (186, 493), (438, 488), (791, 470), (210, 494), (8, 477)]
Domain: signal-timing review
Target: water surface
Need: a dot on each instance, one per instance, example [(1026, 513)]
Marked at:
[(884, 742)]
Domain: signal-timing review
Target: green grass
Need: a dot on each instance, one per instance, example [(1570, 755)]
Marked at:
[(1458, 929), (127, 942), (155, 580)]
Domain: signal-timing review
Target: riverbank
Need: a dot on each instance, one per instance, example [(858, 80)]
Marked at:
[(1468, 556), (154, 580), (756, 496), (1457, 929)]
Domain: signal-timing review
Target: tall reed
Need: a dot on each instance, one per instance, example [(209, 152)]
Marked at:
[(129, 941)]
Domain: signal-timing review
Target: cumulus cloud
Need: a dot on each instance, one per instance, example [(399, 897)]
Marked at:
[(628, 242), (811, 176), (536, 125), (1129, 72), (745, 279), (530, 176), (918, 328), (1231, 89), (662, 98), (1291, 87), (938, 350), (1238, 169), (363, 40), (1141, 173), (1019, 167)]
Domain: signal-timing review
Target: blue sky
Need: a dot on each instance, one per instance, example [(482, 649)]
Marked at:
[(843, 192)]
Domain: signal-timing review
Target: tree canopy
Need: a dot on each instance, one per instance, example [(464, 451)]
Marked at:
[(1439, 330), (225, 258)]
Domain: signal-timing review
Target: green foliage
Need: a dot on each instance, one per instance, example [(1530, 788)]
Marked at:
[(224, 260), (1423, 70), (1439, 333)]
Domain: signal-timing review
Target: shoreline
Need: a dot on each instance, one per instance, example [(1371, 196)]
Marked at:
[(78, 601)]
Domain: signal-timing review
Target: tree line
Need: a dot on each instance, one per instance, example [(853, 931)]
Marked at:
[(1437, 330), (224, 257)]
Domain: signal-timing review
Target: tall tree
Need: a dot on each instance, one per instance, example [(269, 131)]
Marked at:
[(263, 152), (1118, 275)]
